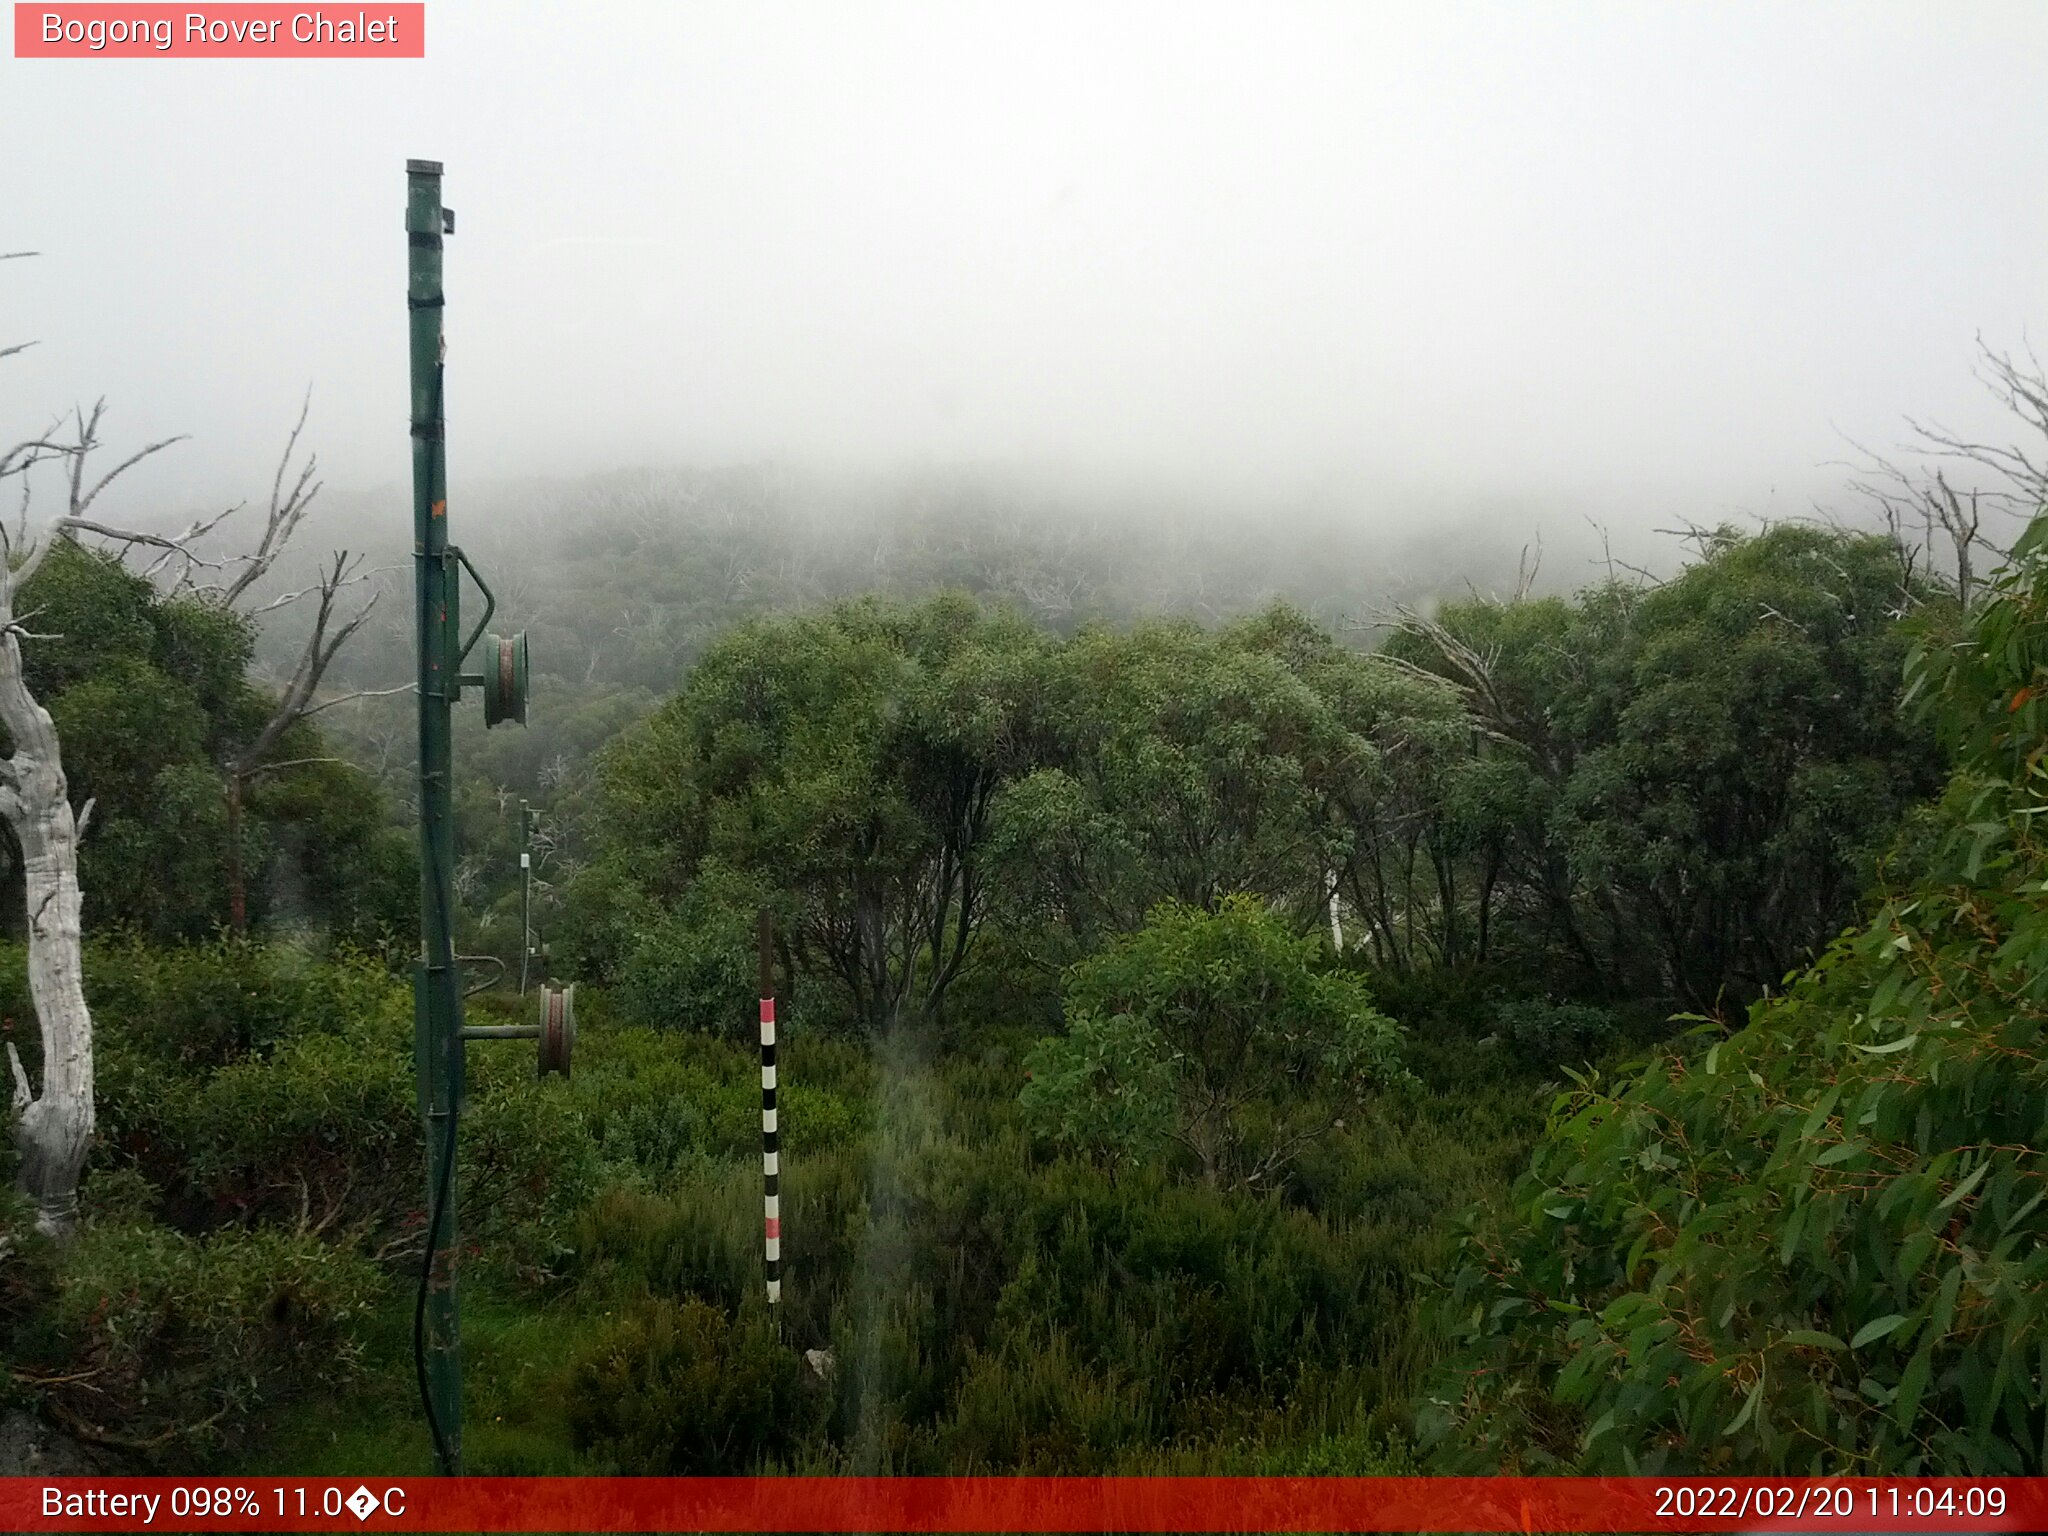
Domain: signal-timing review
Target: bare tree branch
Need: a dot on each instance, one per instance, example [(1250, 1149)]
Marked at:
[(77, 452), (287, 599), (1925, 508), (359, 693), (88, 439), (28, 453), (1472, 673), (319, 651), (287, 509), (118, 535), (301, 762), (1526, 568)]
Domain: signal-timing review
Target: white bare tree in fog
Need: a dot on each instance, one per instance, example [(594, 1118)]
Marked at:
[(329, 632), (52, 1123), (1955, 501)]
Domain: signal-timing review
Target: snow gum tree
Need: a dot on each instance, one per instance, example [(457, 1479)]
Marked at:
[(52, 1125), (52, 1128), (51, 1121)]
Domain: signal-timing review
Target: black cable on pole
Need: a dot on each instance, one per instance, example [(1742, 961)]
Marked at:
[(419, 1308), (437, 1211)]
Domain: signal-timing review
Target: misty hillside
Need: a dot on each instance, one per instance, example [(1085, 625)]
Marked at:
[(621, 580), (1253, 741)]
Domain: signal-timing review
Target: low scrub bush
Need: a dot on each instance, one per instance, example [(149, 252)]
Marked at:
[(1216, 1038), (161, 1341), (654, 1101), (196, 1007), (683, 1388), (1544, 1035), (1039, 1408)]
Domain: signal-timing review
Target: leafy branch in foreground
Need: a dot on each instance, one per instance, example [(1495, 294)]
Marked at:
[(1818, 1243)]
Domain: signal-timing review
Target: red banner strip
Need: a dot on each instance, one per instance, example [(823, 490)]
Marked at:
[(376, 30), (1024, 1504)]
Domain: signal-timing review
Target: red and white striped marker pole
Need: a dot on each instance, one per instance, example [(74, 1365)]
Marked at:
[(771, 1157)]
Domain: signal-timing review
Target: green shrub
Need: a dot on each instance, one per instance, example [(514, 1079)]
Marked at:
[(250, 1084), (693, 966), (702, 1241), (1545, 1035), (1039, 1408), (684, 1388), (323, 1124), (1217, 1033), (185, 1343), (654, 1100), (654, 1122), (28, 1268), (196, 1007), (1007, 988), (1353, 1454), (528, 1163), (701, 1237)]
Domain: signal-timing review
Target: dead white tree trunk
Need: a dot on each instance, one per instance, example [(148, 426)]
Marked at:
[(52, 1128), (52, 1125)]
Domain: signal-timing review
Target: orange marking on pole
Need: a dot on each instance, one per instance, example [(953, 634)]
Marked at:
[(440, 509)]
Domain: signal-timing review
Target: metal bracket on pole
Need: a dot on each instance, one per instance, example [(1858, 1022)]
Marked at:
[(490, 607)]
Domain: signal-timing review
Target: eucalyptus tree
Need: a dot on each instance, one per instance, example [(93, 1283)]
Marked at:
[(52, 1122), (1404, 797), (265, 746), (1189, 764), (1181, 764), (841, 767), (1709, 766), (1815, 1241)]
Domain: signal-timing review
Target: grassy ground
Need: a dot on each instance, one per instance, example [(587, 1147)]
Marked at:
[(989, 1308)]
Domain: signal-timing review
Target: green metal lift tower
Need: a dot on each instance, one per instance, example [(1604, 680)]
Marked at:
[(439, 1036)]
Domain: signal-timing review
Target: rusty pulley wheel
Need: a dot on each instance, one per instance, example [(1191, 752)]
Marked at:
[(504, 678), (557, 1028)]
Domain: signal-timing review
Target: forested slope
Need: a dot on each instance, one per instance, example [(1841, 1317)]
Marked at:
[(1162, 995)]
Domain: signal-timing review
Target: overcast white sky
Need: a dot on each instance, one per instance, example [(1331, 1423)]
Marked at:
[(1630, 259)]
